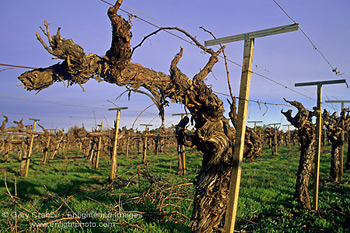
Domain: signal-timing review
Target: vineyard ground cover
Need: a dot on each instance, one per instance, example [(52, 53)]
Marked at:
[(68, 184)]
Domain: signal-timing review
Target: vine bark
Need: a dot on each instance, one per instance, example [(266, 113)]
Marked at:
[(306, 132), (213, 135)]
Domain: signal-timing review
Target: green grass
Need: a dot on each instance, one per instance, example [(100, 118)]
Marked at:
[(68, 183), (266, 198), (70, 177)]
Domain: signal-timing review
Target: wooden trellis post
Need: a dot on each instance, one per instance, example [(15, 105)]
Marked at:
[(318, 132), (115, 144), (289, 137), (30, 147), (181, 152), (57, 146), (259, 134), (127, 144), (97, 156), (248, 38), (145, 141), (43, 160), (288, 128), (342, 137), (274, 149), (255, 124)]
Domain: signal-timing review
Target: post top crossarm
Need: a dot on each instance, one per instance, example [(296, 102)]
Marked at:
[(274, 124), (252, 35), (146, 124), (320, 83), (337, 101), (33, 119), (118, 109), (255, 121), (179, 114)]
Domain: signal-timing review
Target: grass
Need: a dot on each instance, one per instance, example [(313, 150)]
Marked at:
[(69, 184), (266, 198)]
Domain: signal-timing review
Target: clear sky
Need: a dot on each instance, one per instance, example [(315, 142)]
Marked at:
[(286, 58)]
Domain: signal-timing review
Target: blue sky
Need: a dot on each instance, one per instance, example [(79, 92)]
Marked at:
[(287, 58)]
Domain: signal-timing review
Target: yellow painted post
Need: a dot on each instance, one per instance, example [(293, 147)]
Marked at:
[(231, 210), (145, 143), (57, 147), (342, 148), (183, 157), (127, 145), (144, 152), (255, 124), (318, 132), (288, 131), (248, 38), (289, 137), (181, 151), (98, 148), (47, 150), (318, 141), (115, 144), (30, 146)]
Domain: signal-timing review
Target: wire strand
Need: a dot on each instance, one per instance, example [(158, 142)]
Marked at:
[(179, 37), (50, 102), (229, 60), (311, 42), (17, 66)]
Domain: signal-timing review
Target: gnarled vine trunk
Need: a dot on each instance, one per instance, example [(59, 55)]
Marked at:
[(213, 135), (335, 161), (347, 163), (336, 126), (306, 132), (252, 142)]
